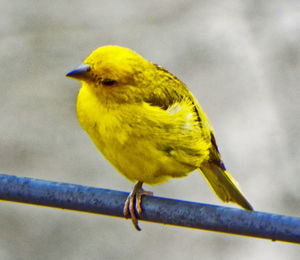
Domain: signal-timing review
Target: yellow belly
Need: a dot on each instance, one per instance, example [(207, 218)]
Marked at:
[(138, 146)]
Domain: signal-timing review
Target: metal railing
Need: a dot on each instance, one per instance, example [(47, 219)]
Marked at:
[(155, 209)]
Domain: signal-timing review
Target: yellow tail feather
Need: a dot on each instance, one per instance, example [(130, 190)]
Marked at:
[(225, 187)]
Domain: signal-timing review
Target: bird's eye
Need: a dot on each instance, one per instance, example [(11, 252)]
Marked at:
[(108, 82)]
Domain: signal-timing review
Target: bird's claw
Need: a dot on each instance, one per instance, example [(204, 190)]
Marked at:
[(133, 204)]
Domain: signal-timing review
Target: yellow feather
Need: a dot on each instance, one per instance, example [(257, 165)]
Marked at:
[(147, 123)]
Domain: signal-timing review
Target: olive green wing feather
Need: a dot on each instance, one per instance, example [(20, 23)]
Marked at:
[(197, 144), (188, 129)]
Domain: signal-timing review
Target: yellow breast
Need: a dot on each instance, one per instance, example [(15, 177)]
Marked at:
[(142, 142)]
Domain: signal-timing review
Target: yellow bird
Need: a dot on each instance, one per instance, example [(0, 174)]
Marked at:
[(147, 124)]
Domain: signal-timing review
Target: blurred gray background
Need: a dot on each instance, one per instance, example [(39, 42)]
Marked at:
[(241, 59)]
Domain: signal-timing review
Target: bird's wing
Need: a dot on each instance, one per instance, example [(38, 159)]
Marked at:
[(187, 134)]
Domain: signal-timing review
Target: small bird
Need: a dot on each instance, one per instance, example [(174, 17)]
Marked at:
[(148, 125)]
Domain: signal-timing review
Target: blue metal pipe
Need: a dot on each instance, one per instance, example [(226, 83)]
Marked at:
[(155, 209)]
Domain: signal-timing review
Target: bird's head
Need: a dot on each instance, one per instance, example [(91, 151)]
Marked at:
[(113, 69), (119, 75)]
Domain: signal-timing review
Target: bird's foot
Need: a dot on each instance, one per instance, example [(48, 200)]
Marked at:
[(133, 204)]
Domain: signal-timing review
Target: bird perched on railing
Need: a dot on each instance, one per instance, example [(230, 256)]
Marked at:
[(148, 124)]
